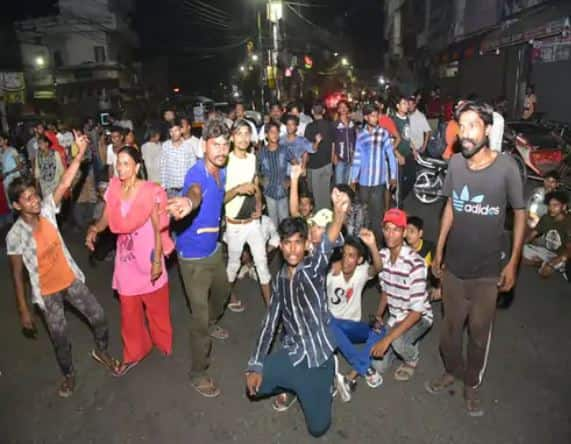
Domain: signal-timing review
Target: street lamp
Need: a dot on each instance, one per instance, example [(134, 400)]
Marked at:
[(344, 61), (242, 68), (40, 62), (254, 57), (381, 80)]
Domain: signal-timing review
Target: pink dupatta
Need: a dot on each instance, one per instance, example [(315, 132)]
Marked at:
[(148, 195)]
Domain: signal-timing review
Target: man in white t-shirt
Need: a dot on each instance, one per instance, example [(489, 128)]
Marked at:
[(419, 128), (117, 142), (276, 113), (240, 112), (345, 284), (195, 142), (151, 151), (243, 208)]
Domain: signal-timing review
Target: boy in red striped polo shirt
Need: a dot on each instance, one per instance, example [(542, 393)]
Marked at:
[(404, 296)]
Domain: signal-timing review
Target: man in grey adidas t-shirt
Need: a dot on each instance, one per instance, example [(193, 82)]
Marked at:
[(480, 184)]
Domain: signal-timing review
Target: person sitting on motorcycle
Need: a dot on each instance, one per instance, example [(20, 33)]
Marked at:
[(536, 206)]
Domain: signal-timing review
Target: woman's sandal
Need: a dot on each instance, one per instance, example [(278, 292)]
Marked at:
[(123, 368), (206, 387), (106, 361)]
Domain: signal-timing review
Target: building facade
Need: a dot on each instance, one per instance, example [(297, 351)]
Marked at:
[(82, 58), (492, 48)]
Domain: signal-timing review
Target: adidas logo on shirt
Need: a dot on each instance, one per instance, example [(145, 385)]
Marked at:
[(464, 203)]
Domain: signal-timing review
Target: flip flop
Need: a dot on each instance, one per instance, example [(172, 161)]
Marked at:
[(110, 364), (206, 387), (236, 307), (124, 368)]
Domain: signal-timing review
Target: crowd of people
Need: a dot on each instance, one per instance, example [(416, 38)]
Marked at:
[(327, 192)]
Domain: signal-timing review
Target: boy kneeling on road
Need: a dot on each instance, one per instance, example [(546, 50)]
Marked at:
[(345, 284), (34, 242), (403, 284), (305, 364)]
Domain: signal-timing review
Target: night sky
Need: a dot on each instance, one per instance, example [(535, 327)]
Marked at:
[(204, 38)]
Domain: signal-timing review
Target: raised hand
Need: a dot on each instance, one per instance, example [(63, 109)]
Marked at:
[(81, 141), (297, 171), (368, 238), (341, 201)]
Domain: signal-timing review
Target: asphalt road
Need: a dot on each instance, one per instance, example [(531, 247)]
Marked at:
[(526, 392)]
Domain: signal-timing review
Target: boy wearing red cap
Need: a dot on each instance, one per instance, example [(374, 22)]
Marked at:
[(403, 285)]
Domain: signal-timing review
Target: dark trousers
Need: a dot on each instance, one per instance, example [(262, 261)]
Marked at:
[(374, 198), (313, 387), (79, 296), (407, 177), (471, 302), (207, 290)]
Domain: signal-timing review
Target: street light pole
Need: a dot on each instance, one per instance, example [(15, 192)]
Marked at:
[(262, 66)]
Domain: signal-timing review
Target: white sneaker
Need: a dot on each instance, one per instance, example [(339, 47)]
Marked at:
[(341, 383), (373, 378)]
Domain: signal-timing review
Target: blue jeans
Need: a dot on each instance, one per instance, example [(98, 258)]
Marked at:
[(313, 387), (347, 333), (342, 170)]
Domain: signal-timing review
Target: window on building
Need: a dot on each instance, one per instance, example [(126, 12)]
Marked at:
[(58, 59), (99, 54)]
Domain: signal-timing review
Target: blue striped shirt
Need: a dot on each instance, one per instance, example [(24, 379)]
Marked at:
[(273, 167), (301, 304), (373, 153)]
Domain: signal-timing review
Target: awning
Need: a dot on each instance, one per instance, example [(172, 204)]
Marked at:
[(537, 23)]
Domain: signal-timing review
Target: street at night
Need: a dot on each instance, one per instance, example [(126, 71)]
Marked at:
[(526, 390), (274, 221)]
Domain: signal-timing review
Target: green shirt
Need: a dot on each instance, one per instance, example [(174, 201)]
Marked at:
[(554, 234), (403, 126)]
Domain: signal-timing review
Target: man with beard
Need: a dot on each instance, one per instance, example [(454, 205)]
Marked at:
[(479, 185), (200, 254)]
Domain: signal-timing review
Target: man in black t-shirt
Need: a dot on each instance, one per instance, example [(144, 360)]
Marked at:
[(480, 184), (321, 133)]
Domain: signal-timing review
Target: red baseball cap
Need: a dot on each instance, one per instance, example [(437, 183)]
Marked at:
[(395, 216)]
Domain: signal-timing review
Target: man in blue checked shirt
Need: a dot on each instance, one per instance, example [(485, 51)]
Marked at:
[(305, 364), (374, 152)]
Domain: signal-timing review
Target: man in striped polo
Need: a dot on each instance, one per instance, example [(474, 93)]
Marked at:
[(403, 283)]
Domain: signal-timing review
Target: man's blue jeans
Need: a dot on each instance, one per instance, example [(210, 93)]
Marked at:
[(342, 170), (347, 334)]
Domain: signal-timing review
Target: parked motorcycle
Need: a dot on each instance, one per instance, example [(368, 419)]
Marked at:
[(430, 179)]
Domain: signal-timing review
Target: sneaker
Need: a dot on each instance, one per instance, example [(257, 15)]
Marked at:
[(341, 383), (373, 378), (439, 384), (283, 402)]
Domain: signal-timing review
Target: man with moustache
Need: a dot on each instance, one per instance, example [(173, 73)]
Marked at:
[(200, 254), (479, 185)]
